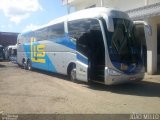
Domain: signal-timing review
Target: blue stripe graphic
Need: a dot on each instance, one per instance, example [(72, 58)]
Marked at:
[(82, 58)]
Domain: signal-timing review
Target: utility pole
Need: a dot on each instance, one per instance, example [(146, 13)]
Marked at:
[(65, 3), (68, 7), (146, 2), (101, 3)]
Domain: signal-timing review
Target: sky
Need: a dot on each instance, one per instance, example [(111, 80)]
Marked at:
[(22, 15)]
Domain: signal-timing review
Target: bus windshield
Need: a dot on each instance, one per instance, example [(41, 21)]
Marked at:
[(123, 46)]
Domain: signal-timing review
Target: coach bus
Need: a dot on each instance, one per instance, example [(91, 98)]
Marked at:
[(96, 44)]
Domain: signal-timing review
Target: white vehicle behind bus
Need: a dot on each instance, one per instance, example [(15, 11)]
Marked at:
[(11, 53)]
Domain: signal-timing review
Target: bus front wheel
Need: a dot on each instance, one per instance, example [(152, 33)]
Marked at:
[(72, 72)]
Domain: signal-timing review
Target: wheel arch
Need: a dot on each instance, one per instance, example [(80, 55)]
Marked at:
[(69, 68)]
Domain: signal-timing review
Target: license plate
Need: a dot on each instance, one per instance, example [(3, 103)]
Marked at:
[(132, 78)]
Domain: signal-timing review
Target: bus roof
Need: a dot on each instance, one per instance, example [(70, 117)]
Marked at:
[(87, 13)]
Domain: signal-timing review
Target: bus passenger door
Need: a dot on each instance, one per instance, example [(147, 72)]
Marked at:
[(81, 62)]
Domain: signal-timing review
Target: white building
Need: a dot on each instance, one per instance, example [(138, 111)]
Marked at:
[(148, 10)]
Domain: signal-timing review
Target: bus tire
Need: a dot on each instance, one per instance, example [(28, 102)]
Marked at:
[(29, 65), (72, 72), (24, 66)]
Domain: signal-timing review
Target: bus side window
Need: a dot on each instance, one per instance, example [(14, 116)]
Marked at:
[(41, 34), (56, 31), (85, 31), (78, 30)]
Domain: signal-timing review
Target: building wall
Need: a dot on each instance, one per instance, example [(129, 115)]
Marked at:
[(152, 47), (153, 1), (118, 4), (82, 4), (123, 5)]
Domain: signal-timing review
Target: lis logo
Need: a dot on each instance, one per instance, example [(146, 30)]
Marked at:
[(37, 52)]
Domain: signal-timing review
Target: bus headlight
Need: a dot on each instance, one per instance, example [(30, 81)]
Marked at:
[(113, 72)]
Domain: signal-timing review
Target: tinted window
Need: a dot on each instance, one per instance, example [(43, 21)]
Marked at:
[(120, 41), (56, 31), (41, 34), (77, 28), (123, 46), (32, 35), (25, 38), (86, 32)]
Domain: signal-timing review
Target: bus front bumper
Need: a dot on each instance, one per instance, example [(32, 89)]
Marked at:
[(118, 78)]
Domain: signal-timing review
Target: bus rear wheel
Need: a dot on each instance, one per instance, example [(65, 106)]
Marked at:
[(24, 64), (73, 74), (29, 65)]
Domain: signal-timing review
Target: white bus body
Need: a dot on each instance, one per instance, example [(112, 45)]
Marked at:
[(95, 44)]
